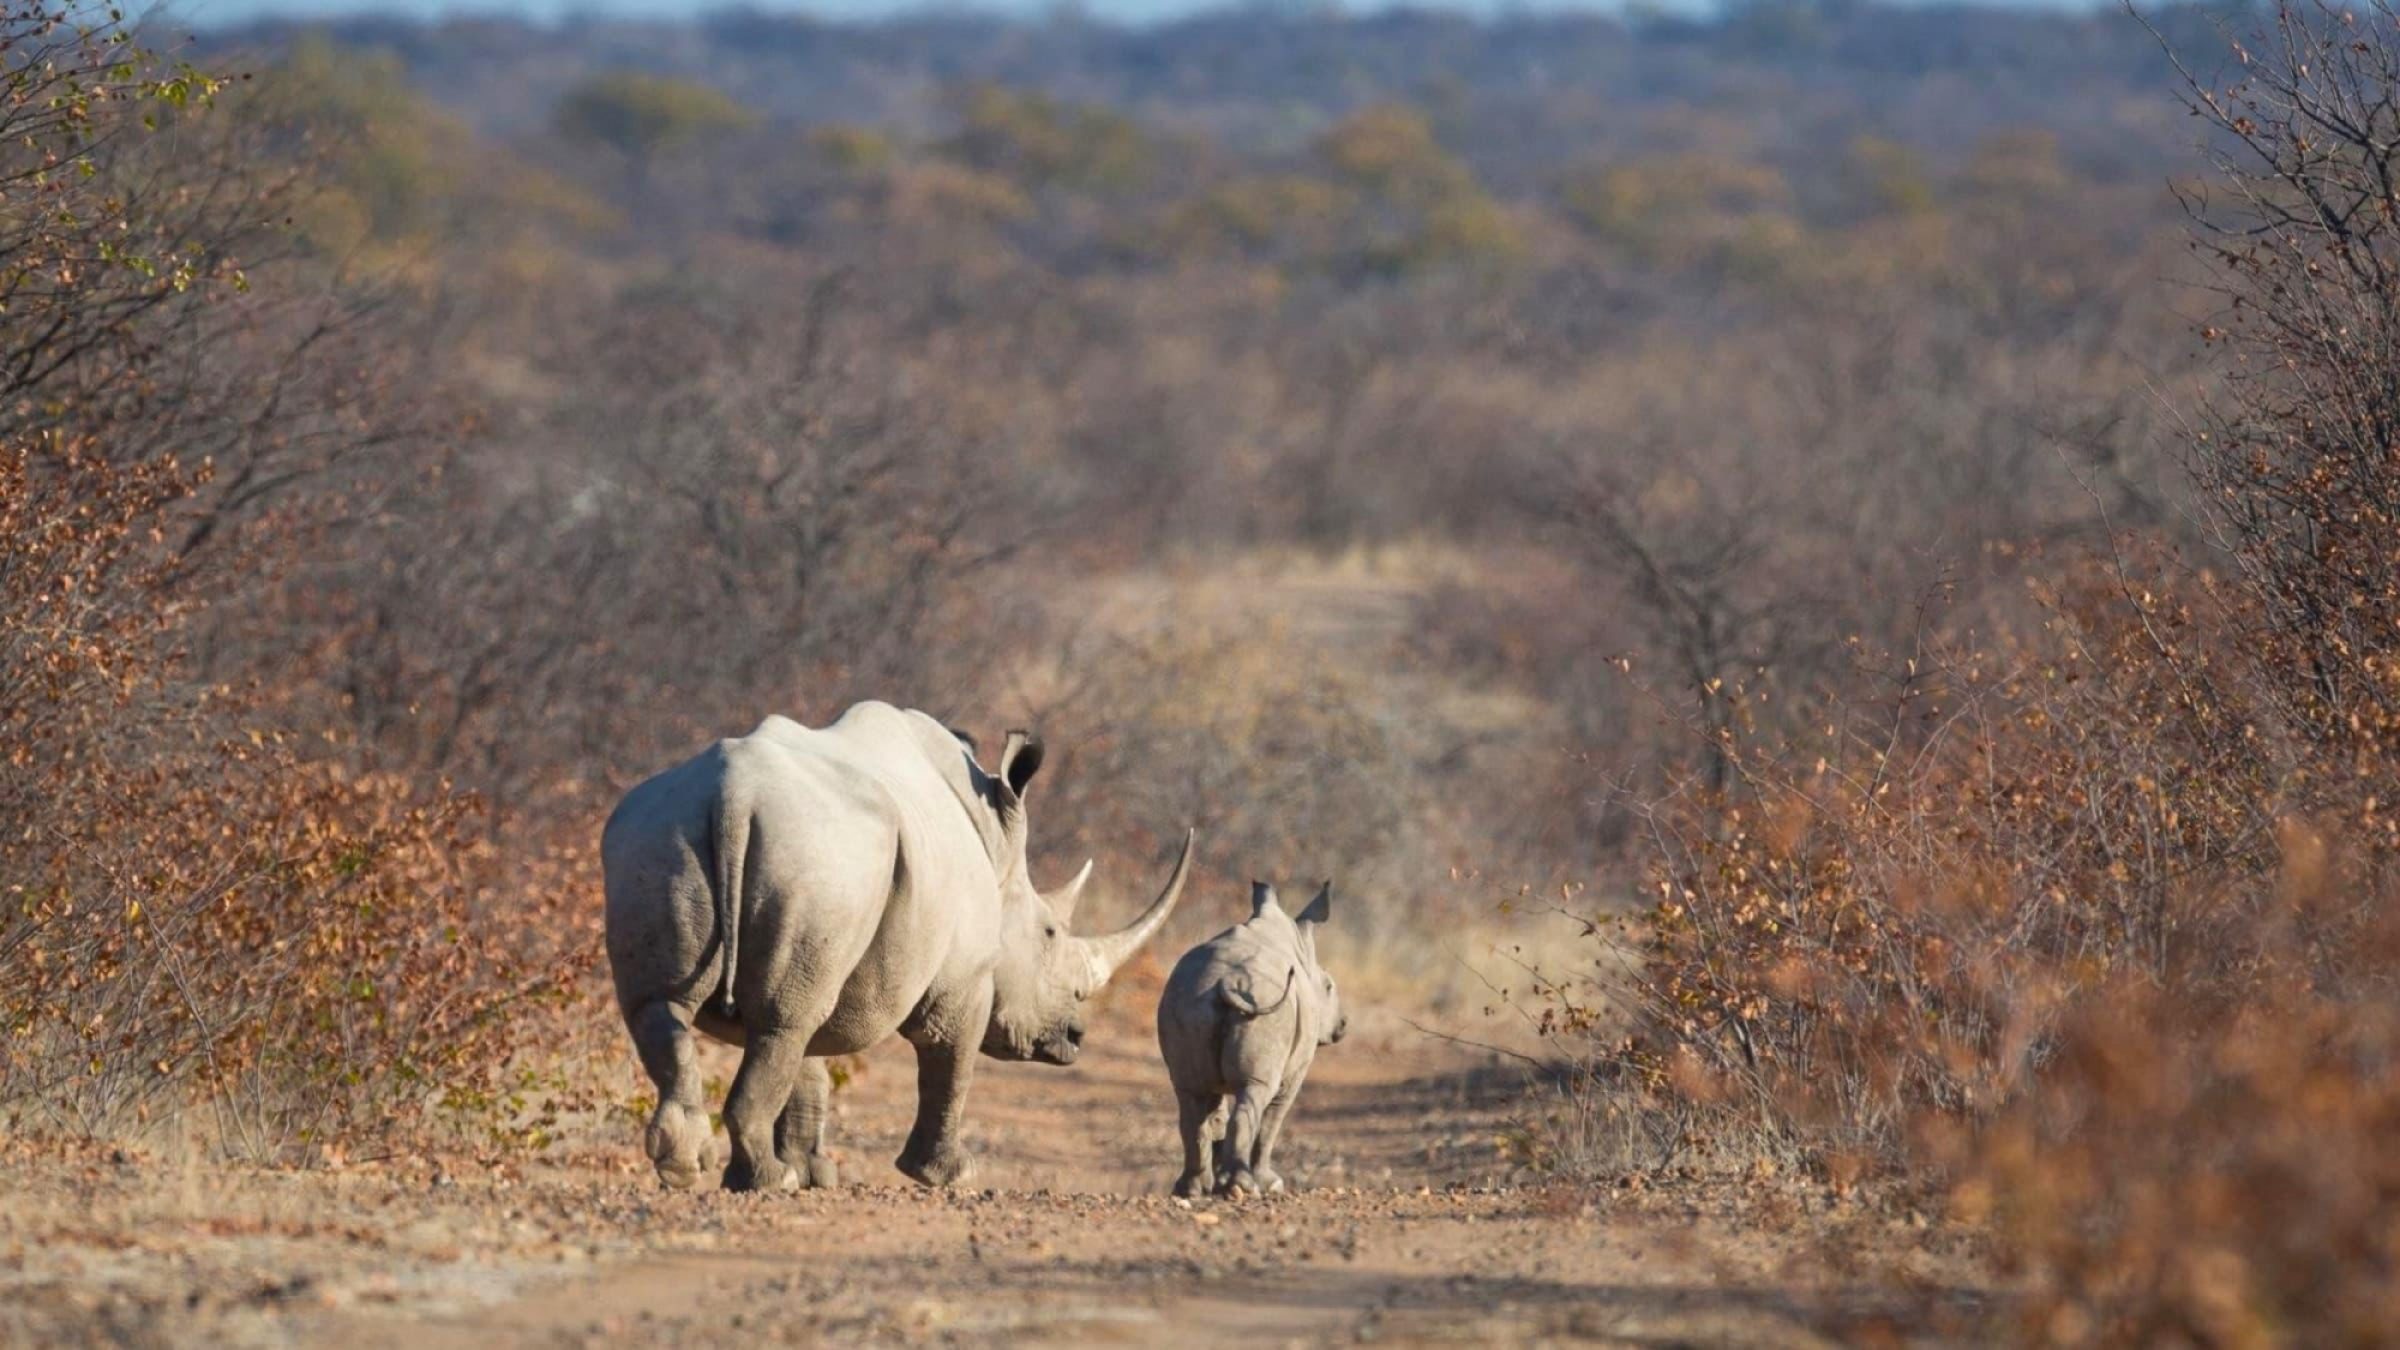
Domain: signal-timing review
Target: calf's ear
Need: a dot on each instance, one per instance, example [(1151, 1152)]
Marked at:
[(1321, 908)]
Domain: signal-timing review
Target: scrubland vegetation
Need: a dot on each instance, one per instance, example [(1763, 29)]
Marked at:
[(1882, 518)]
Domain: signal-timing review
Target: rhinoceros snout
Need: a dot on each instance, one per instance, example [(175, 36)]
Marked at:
[(1060, 1047)]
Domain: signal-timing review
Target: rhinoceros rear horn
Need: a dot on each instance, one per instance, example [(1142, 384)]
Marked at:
[(1114, 950), (1065, 898)]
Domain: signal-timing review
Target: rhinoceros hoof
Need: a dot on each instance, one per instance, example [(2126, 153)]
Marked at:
[(774, 1176), (1191, 1184), (679, 1146), (1239, 1181), (942, 1169), (1267, 1180), (817, 1173)]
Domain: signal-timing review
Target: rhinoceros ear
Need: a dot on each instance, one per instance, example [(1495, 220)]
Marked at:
[(1262, 898), (1321, 908), (1020, 759)]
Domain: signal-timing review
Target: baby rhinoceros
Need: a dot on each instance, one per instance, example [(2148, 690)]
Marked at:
[(1242, 1016)]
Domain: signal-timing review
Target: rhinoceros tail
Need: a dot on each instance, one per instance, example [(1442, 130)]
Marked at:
[(730, 838)]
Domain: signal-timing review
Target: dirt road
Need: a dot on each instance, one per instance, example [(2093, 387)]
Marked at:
[(1407, 1226)]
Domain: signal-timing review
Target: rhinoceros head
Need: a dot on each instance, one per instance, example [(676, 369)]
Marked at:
[(1046, 974), (1335, 1023), (1332, 1022)]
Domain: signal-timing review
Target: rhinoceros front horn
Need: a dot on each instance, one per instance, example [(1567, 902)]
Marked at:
[(1114, 950)]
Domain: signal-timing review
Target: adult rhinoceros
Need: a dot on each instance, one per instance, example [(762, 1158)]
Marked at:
[(807, 892)]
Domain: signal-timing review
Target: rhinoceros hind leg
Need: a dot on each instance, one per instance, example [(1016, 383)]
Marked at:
[(1270, 1129), (772, 1064), (678, 1140), (1235, 1156), (680, 1145), (800, 1132)]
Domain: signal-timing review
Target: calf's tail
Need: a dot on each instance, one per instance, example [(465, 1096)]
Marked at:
[(1242, 994)]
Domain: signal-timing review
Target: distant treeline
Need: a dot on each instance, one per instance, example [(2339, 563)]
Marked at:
[(1514, 90)]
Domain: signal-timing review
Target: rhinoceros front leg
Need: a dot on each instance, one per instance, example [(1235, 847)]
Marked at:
[(947, 1038), (772, 1065), (800, 1133)]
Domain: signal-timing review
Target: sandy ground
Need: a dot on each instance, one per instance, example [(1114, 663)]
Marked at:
[(1408, 1224)]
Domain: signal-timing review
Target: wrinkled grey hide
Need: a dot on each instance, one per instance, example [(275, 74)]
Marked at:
[(1241, 1017), (804, 893)]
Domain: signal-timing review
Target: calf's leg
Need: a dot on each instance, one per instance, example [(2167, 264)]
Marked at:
[(1262, 1164), (1234, 1174), (1197, 1111)]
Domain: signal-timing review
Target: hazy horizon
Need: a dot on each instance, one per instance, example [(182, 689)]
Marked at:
[(224, 13)]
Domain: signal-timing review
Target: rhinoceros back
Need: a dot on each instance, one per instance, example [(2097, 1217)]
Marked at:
[(1219, 991), (762, 869)]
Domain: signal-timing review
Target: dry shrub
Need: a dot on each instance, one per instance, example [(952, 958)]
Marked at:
[(2211, 1158), (2092, 927), (2074, 929), (1886, 914), (197, 902), (2202, 1169), (200, 904)]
